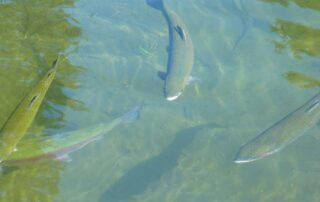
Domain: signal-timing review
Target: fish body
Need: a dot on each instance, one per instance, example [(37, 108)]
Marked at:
[(19, 121), (60, 145), (281, 133), (180, 52)]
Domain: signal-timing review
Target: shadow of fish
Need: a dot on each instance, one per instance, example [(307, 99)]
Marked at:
[(60, 145), (19, 121), (281, 133), (180, 52), (137, 179)]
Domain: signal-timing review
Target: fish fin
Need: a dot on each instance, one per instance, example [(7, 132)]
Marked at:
[(157, 4), (192, 80), (64, 158), (162, 75), (132, 115), (181, 32), (313, 106)]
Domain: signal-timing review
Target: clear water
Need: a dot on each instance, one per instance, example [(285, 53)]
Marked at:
[(255, 61)]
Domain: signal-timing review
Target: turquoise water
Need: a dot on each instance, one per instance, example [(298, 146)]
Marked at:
[(255, 61)]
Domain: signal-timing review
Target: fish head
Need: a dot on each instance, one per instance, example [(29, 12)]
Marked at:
[(252, 152), (47, 79), (173, 97), (173, 89)]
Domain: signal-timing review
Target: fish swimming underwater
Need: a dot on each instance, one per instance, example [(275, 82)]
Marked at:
[(19, 121), (60, 145), (180, 52), (281, 133)]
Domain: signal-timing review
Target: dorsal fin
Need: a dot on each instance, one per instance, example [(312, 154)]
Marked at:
[(181, 32), (162, 75)]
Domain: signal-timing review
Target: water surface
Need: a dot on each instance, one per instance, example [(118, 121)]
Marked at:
[(255, 61)]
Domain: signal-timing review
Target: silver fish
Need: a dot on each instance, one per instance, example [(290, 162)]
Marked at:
[(180, 52), (58, 146), (281, 133)]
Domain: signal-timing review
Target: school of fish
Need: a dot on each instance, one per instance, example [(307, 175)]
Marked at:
[(14, 150)]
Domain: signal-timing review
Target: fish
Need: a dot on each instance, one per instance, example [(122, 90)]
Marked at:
[(16, 126), (282, 133), (180, 52), (59, 146)]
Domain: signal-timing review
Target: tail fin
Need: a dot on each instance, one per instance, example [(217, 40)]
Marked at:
[(132, 115), (157, 4)]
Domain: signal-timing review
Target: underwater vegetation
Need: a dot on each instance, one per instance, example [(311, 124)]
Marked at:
[(311, 4), (302, 80), (33, 33), (31, 43), (301, 39), (37, 182)]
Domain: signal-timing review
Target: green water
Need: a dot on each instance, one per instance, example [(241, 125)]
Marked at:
[(255, 61)]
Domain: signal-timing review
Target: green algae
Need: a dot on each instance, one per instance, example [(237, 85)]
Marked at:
[(311, 4), (302, 80), (33, 34), (299, 38)]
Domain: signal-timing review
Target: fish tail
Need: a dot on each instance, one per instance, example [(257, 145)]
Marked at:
[(132, 115), (157, 4)]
